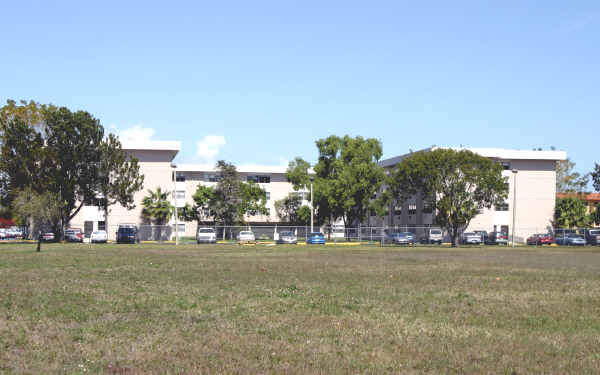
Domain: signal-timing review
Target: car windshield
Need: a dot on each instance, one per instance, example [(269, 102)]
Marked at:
[(126, 230), (406, 234), (207, 230), (317, 234), (286, 234), (470, 234), (573, 235), (245, 233), (595, 232), (436, 231)]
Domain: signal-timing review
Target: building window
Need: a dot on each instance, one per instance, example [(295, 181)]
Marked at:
[(268, 194), (102, 225), (502, 207), (179, 177), (180, 194), (259, 179), (206, 212), (303, 195), (210, 177), (506, 165), (427, 207), (412, 209), (373, 213), (181, 228), (398, 210)]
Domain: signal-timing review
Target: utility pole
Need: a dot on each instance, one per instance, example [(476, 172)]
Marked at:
[(311, 208), (514, 171)]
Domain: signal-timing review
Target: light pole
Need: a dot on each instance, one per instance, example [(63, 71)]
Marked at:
[(175, 203), (311, 208), (514, 210)]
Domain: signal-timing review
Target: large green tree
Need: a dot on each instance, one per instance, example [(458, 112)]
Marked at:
[(346, 177), (462, 182), (61, 152), (595, 215), (233, 198), (571, 212)]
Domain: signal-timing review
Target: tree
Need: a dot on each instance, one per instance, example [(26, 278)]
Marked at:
[(288, 207), (157, 209), (347, 176), (570, 213), (203, 199), (596, 176), (41, 210), (463, 183), (567, 180), (234, 198), (595, 215), (61, 152)]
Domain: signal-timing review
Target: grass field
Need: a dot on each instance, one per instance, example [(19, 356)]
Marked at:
[(124, 309)]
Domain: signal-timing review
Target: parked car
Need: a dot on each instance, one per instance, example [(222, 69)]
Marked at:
[(10, 233), (432, 235), (17, 233), (570, 239), (48, 237), (497, 238), (127, 234), (592, 236), (3, 234), (99, 236), (316, 238), (471, 238), (483, 234), (540, 239), (287, 238), (206, 235), (401, 238), (74, 235), (246, 236)]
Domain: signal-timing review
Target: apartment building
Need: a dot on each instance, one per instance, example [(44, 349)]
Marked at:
[(531, 179), (181, 181)]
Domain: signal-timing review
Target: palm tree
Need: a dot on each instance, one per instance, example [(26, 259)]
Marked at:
[(157, 208)]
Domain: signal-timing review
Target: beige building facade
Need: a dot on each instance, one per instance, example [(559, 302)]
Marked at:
[(180, 181), (534, 183), (531, 179)]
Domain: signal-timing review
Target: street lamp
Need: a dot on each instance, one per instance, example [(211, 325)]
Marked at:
[(174, 176), (311, 207), (514, 171)]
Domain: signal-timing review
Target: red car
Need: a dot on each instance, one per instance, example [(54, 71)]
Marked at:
[(540, 239)]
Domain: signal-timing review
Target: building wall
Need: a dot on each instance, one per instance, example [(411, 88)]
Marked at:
[(156, 167), (535, 200)]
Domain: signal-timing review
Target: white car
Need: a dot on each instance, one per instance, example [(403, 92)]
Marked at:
[(3, 234), (246, 236), (471, 238), (98, 236), (206, 235)]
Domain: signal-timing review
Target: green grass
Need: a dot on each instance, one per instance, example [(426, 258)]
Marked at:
[(130, 309)]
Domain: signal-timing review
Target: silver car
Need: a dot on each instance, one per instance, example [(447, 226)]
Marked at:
[(287, 238), (471, 238)]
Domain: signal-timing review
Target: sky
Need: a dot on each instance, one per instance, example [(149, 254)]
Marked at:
[(258, 82)]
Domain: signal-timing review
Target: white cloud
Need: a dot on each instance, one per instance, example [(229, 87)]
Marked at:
[(208, 148), (136, 134)]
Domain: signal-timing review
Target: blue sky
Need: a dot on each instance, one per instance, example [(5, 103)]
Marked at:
[(260, 81)]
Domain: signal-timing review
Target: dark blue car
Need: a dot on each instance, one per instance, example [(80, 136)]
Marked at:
[(316, 238)]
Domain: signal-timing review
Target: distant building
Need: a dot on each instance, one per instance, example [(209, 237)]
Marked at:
[(181, 181), (535, 195)]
